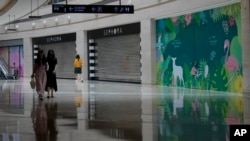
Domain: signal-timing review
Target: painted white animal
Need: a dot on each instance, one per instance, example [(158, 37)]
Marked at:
[(177, 72)]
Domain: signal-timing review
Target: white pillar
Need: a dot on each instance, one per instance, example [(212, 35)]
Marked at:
[(82, 50), (245, 25), (246, 111), (148, 52), (28, 56)]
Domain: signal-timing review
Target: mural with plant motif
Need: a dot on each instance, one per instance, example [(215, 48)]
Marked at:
[(201, 50)]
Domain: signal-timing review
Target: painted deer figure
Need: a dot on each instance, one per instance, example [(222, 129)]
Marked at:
[(178, 73)]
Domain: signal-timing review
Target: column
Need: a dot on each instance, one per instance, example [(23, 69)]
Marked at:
[(28, 56), (28, 69), (82, 50), (245, 23), (148, 52)]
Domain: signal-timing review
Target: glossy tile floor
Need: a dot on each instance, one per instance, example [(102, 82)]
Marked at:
[(107, 111)]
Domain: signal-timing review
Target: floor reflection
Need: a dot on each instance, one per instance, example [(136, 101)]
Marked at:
[(116, 116), (187, 115), (107, 111), (11, 98), (44, 121), (51, 110)]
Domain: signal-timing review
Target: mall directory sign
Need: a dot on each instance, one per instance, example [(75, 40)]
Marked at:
[(117, 9)]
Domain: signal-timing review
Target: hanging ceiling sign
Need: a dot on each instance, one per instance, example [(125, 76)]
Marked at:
[(118, 9)]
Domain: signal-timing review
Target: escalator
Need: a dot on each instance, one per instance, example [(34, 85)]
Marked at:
[(7, 72)]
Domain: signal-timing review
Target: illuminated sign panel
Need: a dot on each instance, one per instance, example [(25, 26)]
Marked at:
[(119, 9)]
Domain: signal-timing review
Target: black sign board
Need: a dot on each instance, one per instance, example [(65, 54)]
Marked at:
[(55, 39), (133, 28), (119, 9)]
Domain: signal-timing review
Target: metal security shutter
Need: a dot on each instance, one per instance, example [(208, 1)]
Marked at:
[(64, 48), (65, 54), (118, 58)]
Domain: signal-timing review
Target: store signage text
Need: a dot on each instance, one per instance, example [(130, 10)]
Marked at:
[(53, 39), (113, 31)]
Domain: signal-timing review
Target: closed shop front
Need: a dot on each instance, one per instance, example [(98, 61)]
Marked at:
[(65, 51), (114, 54)]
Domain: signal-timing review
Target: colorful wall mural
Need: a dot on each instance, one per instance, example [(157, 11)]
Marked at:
[(201, 50)]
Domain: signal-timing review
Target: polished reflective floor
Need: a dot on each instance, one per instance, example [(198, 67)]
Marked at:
[(107, 111)]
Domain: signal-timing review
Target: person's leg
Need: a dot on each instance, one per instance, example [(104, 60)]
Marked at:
[(43, 82), (80, 74), (81, 77), (75, 72), (76, 76), (38, 85), (49, 91), (52, 90)]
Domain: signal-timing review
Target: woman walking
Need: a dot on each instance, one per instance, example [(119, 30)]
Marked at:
[(51, 84), (78, 67), (39, 72)]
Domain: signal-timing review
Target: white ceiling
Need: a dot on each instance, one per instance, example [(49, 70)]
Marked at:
[(21, 8)]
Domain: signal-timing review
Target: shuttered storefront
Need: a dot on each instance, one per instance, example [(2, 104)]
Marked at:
[(65, 50), (116, 56)]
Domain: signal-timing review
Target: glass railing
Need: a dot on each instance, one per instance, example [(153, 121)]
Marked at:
[(4, 67), (8, 72)]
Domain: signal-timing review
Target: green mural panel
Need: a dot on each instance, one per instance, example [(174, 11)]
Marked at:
[(201, 50)]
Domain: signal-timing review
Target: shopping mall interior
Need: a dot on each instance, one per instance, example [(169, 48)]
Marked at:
[(152, 70)]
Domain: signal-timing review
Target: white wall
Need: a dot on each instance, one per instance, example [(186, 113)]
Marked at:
[(146, 11)]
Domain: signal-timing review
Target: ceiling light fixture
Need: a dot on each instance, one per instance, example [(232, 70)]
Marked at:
[(17, 26), (56, 21), (69, 19), (33, 25), (9, 28), (44, 23), (34, 17)]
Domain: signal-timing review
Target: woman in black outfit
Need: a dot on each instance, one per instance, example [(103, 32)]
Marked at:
[(51, 84)]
